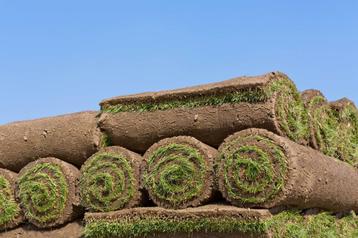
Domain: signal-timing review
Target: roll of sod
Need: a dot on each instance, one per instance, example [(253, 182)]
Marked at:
[(257, 168), (110, 180), (313, 100), (72, 138), (208, 112), (10, 212), (47, 192), (207, 221), (347, 143), (178, 172)]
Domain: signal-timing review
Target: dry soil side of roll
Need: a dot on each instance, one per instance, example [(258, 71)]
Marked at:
[(72, 138)]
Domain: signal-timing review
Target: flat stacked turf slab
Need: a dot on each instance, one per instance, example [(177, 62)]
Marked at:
[(10, 212), (47, 192), (110, 180), (257, 168), (178, 172), (208, 112), (347, 144), (205, 221), (72, 138), (70, 230)]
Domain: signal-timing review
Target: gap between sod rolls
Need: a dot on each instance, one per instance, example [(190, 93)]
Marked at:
[(290, 111)]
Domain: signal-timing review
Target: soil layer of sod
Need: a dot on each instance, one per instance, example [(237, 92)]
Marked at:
[(10, 212), (110, 180), (205, 221), (72, 138), (260, 169), (208, 112), (178, 172), (47, 192)]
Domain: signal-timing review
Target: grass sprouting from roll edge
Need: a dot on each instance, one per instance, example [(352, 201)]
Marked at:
[(290, 110), (107, 182), (288, 224), (43, 192), (9, 209), (175, 174), (253, 170)]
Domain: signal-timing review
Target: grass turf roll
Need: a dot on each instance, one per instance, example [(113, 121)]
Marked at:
[(347, 143), (208, 112), (72, 138), (178, 172), (206, 221), (257, 168), (10, 212), (47, 191), (110, 180)]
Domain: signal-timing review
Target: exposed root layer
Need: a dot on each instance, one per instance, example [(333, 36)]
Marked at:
[(148, 222), (178, 172), (47, 192), (110, 180), (10, 212)]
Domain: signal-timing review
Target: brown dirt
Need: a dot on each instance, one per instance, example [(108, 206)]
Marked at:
[(72, 138), (72, 209), (208, 153), (313, 179), (136, 161), (71, 230), (11, 177), (309, 94), (209, 124)]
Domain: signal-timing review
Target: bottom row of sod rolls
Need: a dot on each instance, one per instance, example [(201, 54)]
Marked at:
[(46, 189), (10, 212), (258, 168), (110, 180), (179, 172)]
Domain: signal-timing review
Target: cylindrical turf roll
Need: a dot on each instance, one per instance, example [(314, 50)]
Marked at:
[(260, 169), (312, 100), (10, 212), (347, 144), (208, 112), (110, 180), (47, 191), (178, 172), (72, 138)]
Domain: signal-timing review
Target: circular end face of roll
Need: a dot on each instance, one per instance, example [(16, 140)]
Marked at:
[(47, 193), (289, 108), (178, 172), (10, 212), (251, 168), (110, 180)]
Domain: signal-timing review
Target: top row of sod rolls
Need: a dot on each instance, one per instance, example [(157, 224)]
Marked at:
[(209, 112)]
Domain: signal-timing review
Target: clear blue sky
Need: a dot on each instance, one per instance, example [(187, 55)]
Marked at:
[(63, 56)]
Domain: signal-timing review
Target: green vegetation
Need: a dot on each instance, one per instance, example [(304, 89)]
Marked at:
[(253, 170), (176, 174), (43, 192), (147, 226), (9, 209), (105, 140), (107, 182), (290, 111), (289, 224)]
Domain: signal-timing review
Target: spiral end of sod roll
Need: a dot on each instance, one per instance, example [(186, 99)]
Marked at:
[(252, 168), (289, 108), (110, 180), (47, 192), (10, 212), (178, 172)]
